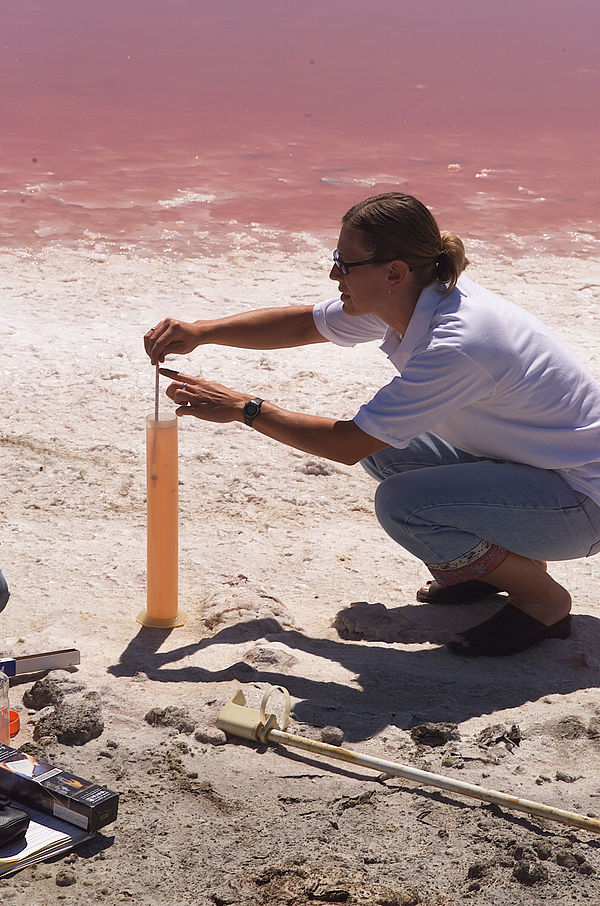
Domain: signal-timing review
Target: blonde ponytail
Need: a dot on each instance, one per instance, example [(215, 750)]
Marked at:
[(451, 261)]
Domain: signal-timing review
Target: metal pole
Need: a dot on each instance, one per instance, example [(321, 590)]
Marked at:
[(436, 780)]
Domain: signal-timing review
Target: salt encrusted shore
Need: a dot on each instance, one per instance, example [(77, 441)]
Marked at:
[(275, 547)]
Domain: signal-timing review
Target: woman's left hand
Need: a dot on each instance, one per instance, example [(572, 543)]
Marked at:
[(208, 400)]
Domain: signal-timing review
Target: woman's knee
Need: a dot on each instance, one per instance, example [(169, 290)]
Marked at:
[(393, 501)]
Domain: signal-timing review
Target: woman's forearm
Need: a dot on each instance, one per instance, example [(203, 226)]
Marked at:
[(265, 328), (336, 439), (340, 441)]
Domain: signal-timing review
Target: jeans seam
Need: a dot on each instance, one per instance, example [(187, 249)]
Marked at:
[(504, 506), (424, 509)]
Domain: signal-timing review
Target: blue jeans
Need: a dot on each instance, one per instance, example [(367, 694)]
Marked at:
[(441, 503), (4, 592)]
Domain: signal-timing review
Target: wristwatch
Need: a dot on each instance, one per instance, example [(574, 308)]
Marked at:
[(251, 410)]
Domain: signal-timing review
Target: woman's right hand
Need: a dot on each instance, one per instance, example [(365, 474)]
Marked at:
[(171, 336)]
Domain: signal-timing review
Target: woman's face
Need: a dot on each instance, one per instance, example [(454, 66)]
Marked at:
[(364, 289)]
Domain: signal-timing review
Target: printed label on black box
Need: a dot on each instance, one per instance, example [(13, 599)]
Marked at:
[(59, 811)]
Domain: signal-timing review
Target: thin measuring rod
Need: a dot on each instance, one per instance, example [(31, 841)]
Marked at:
[(156, 386)]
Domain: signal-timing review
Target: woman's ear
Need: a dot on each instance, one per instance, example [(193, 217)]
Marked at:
[(398, 272)]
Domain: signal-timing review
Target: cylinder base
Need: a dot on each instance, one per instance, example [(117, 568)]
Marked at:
[(155, 623)]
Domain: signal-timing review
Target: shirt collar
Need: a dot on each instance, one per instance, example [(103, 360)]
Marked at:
[(400, 348)]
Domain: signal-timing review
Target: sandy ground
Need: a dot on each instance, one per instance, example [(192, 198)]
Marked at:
[(286, 578)]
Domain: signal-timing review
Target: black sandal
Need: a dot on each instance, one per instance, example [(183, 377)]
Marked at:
[(507, 632), (461, 593)]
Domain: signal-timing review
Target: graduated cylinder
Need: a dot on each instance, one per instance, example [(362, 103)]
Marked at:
[(162, 524)]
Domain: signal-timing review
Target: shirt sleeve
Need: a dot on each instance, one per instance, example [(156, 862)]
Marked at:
[(433, 385), (338, 327)]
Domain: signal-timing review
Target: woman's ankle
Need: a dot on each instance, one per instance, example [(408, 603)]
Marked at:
[(547, 611), (531, 588)]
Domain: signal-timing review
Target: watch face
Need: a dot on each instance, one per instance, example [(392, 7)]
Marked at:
[(251, 410)]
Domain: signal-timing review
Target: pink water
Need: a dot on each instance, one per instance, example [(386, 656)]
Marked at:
[(168, 127)]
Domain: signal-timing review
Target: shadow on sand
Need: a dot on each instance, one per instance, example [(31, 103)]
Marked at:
[(391, 685)]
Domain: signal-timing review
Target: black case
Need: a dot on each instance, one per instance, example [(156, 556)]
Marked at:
[(60, 793), (13, 821)]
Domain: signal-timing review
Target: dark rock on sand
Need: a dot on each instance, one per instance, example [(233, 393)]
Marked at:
[(73, 722), (434, 734), (334, 736), (565, 777), (65, 877), (171, 717), (594, 728), (50, 691), (477, 870), (569, 859), (529, 873), (498, 733)]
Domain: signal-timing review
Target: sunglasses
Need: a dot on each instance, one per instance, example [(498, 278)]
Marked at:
[(344, 266)]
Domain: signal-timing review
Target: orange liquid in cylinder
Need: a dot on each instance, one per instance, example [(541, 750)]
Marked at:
[(162, 508)]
